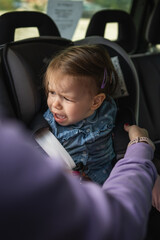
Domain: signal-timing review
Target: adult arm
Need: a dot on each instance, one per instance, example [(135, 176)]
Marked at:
[(130, 184), (39, 200)]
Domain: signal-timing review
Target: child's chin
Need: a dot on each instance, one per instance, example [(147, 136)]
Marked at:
[(62, 123), (65, 123)]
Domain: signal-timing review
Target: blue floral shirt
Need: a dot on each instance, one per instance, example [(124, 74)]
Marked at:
[(90, 140)]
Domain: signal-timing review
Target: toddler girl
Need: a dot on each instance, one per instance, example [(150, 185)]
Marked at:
[(79, 84)]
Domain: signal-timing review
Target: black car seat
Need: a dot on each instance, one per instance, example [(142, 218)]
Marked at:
[(23, 65), (127, 99), (126, 29), (10, 21), (148, 69), (25, 61)]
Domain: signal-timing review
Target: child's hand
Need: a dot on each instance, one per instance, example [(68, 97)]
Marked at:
[(156, 194), (135, 131)]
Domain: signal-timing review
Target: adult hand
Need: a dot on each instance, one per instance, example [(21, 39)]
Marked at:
[(135, 131)]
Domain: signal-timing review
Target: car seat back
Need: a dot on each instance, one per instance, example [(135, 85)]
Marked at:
[(24, 63)]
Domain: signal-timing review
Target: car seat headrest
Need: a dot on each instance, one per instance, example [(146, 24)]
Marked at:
[(126, 31), (17, 19), (152, 31)]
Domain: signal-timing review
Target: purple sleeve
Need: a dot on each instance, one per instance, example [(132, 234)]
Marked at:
[(39, 200), (130, 184)]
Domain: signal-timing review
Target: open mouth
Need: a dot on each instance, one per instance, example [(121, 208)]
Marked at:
[(59, 118)]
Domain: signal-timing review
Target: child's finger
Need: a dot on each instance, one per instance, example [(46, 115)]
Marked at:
[(126, 127)]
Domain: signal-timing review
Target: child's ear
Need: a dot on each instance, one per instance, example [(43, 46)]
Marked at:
[(98, 100)]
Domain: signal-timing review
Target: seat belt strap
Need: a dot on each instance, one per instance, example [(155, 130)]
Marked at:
[(54, 148)]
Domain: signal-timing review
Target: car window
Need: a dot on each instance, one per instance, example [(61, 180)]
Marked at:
[(89, 7)]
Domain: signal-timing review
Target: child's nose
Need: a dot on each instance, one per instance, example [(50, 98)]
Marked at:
[(56, 103)]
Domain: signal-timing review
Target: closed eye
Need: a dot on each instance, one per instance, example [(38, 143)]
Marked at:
[(67, 99)]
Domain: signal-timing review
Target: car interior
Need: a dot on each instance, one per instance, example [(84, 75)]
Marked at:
[(135, 55)]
